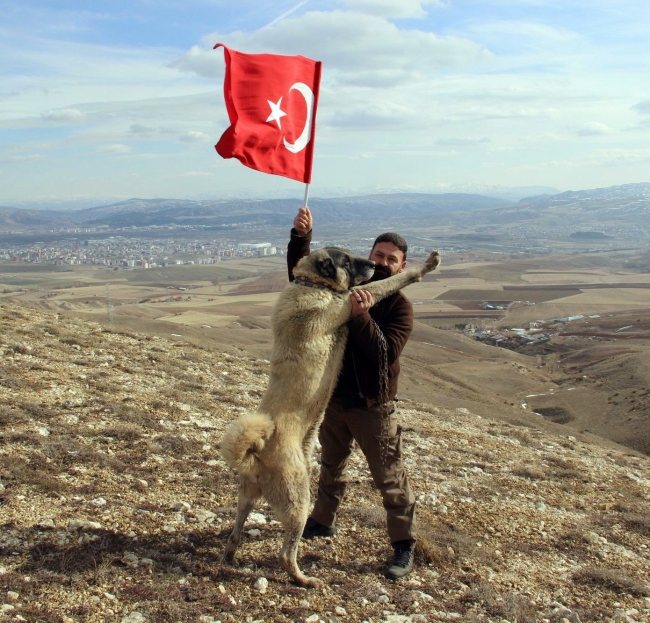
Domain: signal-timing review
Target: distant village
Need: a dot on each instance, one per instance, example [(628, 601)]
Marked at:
[(537, 332)]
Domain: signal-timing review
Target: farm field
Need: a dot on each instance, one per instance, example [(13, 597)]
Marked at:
[(230, 304)]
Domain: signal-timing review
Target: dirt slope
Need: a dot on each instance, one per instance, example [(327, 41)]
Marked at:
[(115, 504)]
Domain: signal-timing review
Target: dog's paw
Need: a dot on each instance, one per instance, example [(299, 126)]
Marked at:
[(433, 261), (310, 582)]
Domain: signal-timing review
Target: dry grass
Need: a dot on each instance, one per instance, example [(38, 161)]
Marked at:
[(615, 580), (638, 522), (175, 445), (441, 543), (532, 472), (10, 416), (373, 517)]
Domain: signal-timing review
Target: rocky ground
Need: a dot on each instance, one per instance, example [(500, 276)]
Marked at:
[(115, 504)]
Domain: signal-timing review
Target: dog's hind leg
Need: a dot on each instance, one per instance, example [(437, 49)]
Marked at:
[(247, 496), (293, 520)]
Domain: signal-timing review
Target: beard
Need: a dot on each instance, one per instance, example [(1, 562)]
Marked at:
[(381, 272)]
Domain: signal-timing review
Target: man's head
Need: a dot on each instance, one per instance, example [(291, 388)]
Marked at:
[(389, 254)]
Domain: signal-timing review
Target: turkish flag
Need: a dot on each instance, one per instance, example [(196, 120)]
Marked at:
[(271, 102)]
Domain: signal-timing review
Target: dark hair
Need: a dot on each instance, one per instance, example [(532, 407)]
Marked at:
[(396, 239)]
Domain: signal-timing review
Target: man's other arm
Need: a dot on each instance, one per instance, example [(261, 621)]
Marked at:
[(396, 325)]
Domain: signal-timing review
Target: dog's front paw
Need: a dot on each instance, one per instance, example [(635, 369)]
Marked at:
[(433, 261)]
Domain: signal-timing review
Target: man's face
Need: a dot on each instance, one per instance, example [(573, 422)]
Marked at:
[(389, 260)]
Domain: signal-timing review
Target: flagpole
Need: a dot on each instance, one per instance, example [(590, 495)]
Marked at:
[(304, 203)]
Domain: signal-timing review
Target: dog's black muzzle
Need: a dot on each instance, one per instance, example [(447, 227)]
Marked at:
[(361, 271)]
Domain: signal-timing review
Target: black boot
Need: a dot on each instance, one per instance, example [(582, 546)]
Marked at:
[(313, 529), (402, 562)]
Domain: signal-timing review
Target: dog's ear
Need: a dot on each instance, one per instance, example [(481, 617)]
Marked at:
[(325, 267)]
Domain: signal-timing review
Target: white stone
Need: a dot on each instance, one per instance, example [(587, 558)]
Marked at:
[(314, 618), (254, 532), (130, 559), (304, 603), (203, 516), (46, 523), (134, 617), (340, 611), (423, 596), (12, 595), (261, 585), (98, 502), (41, 430), (181, 507), (256, 518), (83, 524)]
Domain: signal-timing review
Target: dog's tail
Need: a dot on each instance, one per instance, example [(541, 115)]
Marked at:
[(245, 438)]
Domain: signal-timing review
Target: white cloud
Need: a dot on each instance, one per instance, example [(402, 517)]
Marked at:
[(382, 115), (65, 115), (351, 45), (196, 174), (114, 148), (642, 107), (202, 62), (26, 158), (392, 8), (593, 128), (194, 137), (617, 157), (140, 128), (463, 141)]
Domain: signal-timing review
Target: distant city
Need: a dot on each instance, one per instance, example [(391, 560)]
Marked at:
[(122, 252), (152, 233)]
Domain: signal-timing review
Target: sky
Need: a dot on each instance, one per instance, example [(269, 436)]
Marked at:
[(107, 100)]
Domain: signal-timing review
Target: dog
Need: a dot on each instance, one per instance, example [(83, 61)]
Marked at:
[(272, 448)]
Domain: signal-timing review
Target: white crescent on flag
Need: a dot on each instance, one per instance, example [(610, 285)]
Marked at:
[(277, 114), (305, 136)]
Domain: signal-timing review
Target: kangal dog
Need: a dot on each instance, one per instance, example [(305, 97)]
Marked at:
[(271, 448)]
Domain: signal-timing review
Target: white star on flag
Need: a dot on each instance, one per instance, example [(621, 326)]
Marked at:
[(276, 113)]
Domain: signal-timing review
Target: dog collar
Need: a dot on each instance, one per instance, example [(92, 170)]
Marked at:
[(310, 283)]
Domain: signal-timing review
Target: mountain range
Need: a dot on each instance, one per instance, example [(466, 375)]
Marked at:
[(626, 202)]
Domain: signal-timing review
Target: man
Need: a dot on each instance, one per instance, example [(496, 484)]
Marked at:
[(362, 408)]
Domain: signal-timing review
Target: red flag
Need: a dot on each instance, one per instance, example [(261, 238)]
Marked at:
[(271, 102)]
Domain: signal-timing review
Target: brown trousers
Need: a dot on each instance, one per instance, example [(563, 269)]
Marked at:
[(340, 428)]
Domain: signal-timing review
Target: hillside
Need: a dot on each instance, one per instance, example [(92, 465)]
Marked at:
[(116, 505), (628, 203)]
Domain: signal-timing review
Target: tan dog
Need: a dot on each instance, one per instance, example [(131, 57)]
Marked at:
[(272, 448)]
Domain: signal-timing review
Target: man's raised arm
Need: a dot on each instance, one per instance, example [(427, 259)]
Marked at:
[(300, 239)]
